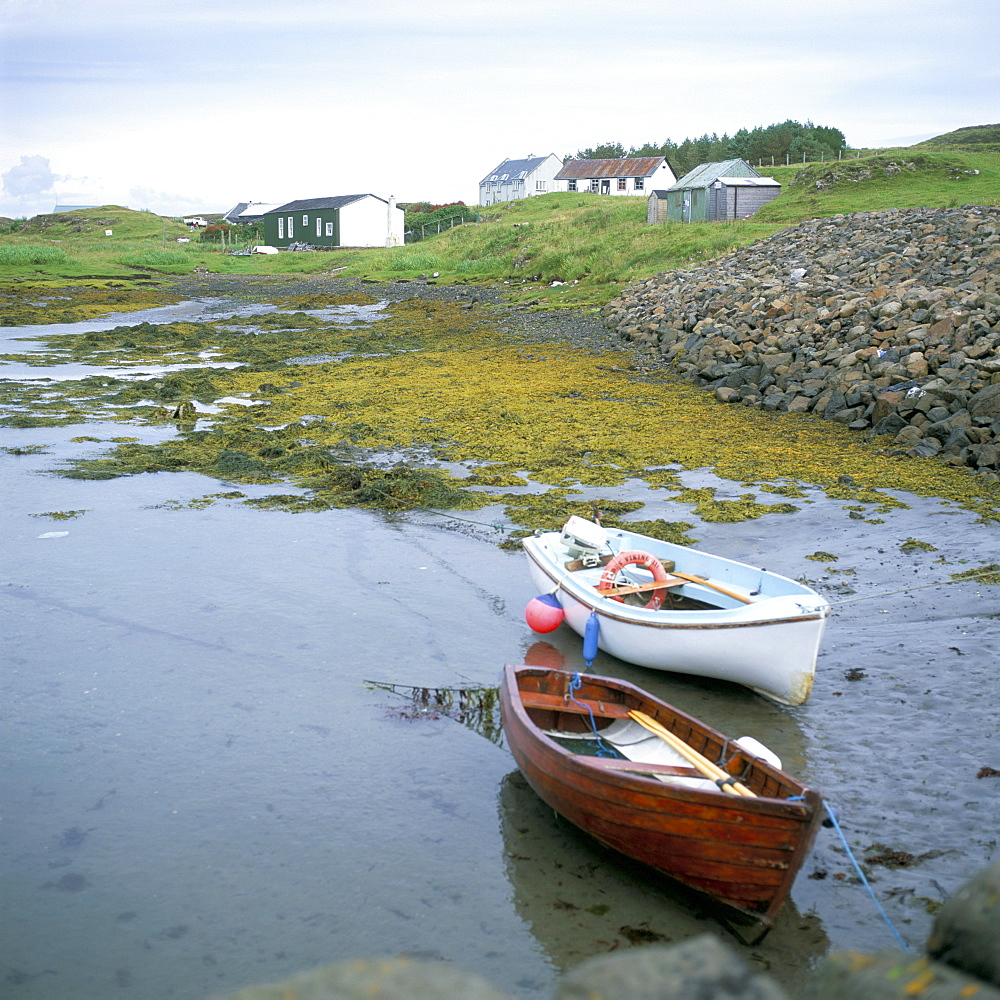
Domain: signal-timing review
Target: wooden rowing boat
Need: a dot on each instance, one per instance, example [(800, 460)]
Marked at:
[(590, 749), (685, 610)]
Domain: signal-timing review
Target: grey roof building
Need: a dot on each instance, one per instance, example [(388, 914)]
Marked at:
[(713, 192)]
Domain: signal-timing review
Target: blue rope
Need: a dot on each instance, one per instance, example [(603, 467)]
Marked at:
[(603, 750), (833, 822)]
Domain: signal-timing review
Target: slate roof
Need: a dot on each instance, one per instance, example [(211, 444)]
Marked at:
[(514, 168), (315, 204), (637, 166)]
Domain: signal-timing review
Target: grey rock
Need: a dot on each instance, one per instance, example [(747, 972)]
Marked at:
[(966, 932), (385, 978), (900, 308), (986, 402), (701, 968)]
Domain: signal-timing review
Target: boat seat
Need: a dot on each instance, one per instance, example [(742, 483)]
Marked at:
[(637, 744)]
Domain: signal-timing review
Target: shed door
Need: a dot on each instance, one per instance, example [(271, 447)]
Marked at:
[(606, 186)]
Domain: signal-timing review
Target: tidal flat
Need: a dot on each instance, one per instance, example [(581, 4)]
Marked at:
[(228, 516)]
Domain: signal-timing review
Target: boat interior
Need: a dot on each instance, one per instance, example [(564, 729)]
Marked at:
[(605, 733)]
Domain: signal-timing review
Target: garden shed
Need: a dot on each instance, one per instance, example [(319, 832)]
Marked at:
[(349, 220), (713, 192)]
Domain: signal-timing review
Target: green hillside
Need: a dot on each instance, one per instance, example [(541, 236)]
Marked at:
[(556, 250), (977, 138)]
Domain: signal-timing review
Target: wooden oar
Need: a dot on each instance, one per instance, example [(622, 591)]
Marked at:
[(713, 586), (639, 588), (689, 753)]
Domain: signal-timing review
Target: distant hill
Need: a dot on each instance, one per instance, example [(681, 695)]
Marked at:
[(979, 138)]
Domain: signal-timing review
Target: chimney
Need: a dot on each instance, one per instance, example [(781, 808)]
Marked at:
[(390, 239)]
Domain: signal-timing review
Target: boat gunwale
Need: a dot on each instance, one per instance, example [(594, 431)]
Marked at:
[(607, 607), (580, 762)]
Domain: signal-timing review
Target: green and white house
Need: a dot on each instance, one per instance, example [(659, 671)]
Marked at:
[(348, 220)]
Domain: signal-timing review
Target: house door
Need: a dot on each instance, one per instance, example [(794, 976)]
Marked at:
[(606, 187)]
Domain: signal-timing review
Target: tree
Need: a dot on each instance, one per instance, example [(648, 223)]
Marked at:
[(606, 151)]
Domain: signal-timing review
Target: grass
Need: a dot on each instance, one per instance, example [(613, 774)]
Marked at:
[(553, 251), (938, 180)]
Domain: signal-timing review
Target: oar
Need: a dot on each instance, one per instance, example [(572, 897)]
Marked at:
[(639, 588), (713, 586), (689, 753)]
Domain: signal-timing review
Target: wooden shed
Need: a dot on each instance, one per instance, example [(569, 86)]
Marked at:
[(713, 192)]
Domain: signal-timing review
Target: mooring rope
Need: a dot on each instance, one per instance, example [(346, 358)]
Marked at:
[(832, 817), (972, 575), (603, 750)]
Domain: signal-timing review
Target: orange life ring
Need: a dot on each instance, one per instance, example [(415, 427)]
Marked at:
[(635, 558)]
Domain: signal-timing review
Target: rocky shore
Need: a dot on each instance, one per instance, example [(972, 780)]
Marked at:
[(960, 960), (888, 322)]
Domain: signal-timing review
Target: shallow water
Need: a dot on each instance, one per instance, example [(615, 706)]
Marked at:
[(200, 791)]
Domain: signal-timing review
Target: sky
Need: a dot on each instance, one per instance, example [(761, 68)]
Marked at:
[(189, 106)]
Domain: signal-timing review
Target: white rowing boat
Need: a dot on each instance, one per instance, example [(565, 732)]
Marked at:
[(669, 607)]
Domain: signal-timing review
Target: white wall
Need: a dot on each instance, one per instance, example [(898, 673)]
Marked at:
[(662, 177), (366, 223), (510, 190)]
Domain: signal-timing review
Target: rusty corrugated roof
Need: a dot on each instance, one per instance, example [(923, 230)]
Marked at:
[(638, 166)]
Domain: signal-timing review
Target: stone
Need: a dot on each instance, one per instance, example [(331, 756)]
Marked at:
[(894, 976), (986, 402), (880, 303), (385, 978), (701, 968)]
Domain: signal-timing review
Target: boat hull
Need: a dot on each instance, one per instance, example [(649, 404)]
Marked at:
[(742, 853), (769, 644)]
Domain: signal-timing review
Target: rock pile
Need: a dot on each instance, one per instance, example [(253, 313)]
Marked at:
[(887, 321)]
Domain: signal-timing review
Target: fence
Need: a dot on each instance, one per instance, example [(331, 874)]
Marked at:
[(418, 233), (840, 156)]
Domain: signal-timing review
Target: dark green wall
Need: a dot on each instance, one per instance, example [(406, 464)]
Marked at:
[(303, 232)]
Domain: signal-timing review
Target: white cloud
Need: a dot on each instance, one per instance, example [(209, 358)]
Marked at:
[(233, 99)]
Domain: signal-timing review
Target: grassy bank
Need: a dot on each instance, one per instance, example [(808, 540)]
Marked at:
[(559, 250)]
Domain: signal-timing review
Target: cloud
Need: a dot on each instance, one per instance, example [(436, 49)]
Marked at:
[(29, 179)]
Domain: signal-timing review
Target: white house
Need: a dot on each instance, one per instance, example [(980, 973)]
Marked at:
[(348, 220), (516, 179), (635, 176)]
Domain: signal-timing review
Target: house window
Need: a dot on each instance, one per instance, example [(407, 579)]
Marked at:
[(637, 183), (281, 228), (621, 183), (291, 227), (305, 220), (571, 186), (329, 229), (539, 185), (595, 186)]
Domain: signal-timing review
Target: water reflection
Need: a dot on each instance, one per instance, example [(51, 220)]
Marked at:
[(581, 899)]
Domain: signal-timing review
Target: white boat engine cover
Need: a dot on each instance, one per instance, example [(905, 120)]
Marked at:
[(579, 533)]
